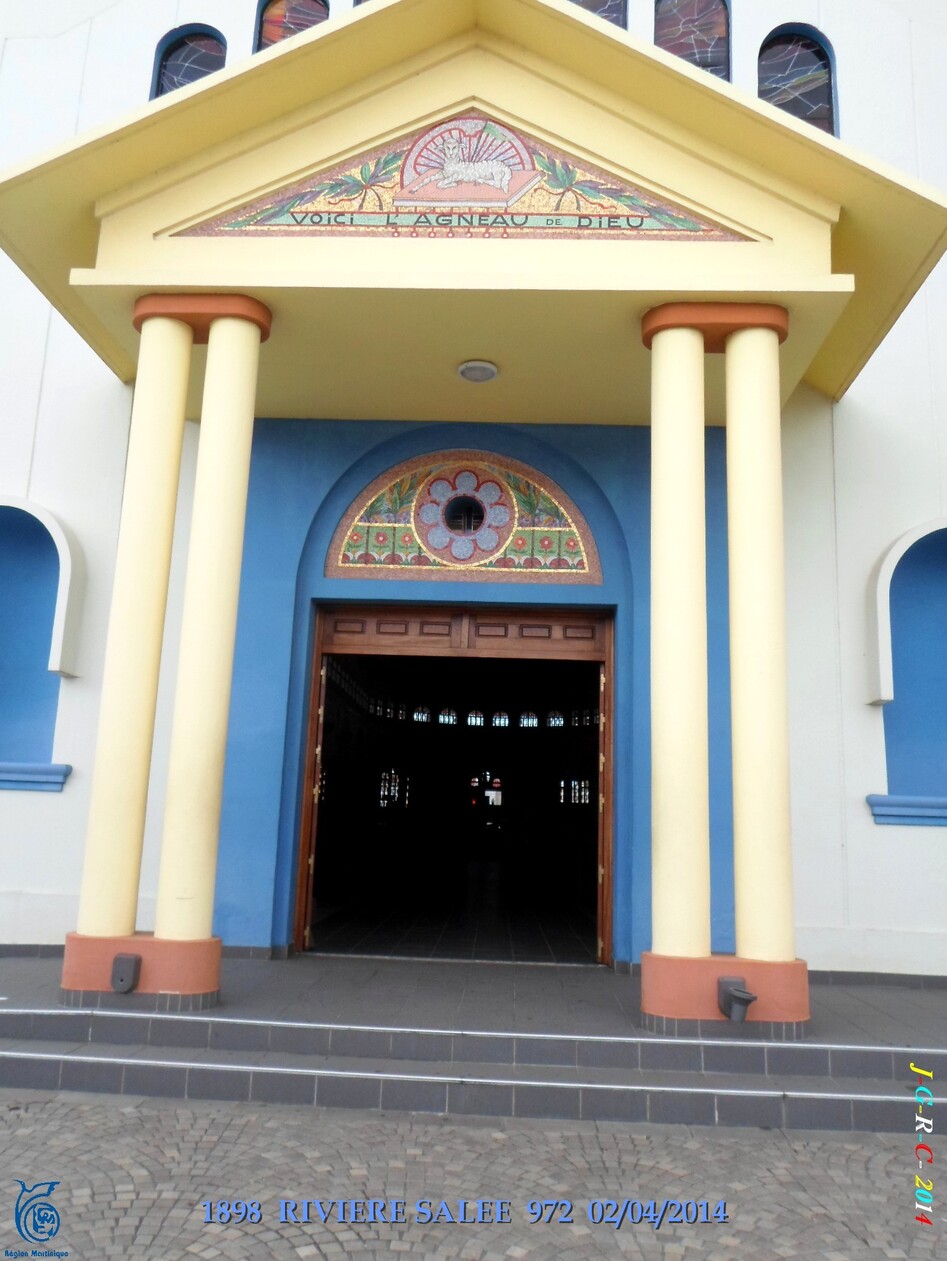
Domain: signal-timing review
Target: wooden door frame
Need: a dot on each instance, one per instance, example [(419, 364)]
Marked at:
[(448, 631)]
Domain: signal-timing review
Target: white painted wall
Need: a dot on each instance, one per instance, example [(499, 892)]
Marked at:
[(857, 475)]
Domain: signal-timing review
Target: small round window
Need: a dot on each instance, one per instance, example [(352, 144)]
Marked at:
[(464, 515)]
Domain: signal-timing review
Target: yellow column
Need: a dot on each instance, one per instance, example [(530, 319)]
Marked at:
[(680, 822), (761, 823), (202, 700), (112, 864)]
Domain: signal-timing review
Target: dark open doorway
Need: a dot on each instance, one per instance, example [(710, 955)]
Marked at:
[(397, 696), (458, 809)]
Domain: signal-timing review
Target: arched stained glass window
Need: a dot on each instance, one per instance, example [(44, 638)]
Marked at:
[(279, 19), (447, 717), (697, 30), (501, 720), (422, 714), (614, 11), (795, 74), (555, 719), (475, 718), (186, 55), (529, 720)]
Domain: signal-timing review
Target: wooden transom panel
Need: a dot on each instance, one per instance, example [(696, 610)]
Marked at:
[(423, 631)]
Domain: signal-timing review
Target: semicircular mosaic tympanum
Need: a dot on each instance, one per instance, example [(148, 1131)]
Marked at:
[(468, 515)]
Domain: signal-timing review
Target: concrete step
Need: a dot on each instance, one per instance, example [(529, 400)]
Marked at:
[(461, 1088), (744, 1055)]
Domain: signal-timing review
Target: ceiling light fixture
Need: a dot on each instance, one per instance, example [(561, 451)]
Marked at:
[(477, 370)]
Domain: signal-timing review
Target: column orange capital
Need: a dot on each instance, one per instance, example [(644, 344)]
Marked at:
[(199, 310), (716, 320)]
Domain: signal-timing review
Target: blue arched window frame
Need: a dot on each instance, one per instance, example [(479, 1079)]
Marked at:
[(167, 43), (808, 32)]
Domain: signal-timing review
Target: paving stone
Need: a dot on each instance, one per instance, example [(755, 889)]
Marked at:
[(133, 1175)]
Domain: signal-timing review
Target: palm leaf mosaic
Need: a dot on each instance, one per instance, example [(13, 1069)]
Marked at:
[(367, 179), (566, 180), (394, 503)]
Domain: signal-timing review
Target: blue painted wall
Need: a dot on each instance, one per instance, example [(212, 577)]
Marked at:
[(303, 477), (29, 694), (722, 931), (916, 720)]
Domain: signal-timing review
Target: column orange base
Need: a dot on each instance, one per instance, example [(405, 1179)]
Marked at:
[(686, 989), (188, 969)]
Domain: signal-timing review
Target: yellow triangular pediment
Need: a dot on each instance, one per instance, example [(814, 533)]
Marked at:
[(468, 176)]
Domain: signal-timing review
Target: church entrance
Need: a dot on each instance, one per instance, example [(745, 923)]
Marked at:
[(456, 804)]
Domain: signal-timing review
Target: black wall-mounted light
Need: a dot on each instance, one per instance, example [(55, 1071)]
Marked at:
[(733, 998)]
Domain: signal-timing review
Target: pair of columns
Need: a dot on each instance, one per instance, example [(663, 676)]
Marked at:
[(679, 975), (232, 326)]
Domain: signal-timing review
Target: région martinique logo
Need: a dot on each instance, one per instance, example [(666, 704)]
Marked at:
[(34, 1217)]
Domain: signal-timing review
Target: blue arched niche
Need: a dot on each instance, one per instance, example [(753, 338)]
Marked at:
[(29, 693), (915, 721)]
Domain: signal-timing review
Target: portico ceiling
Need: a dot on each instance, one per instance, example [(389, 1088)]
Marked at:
[(374, 328)]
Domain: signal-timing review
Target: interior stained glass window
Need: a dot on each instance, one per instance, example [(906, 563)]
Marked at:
[(393, 789), (795, 74), (575, 792), (447, 717), (422, 714), (697, 30), (501, 720), (614, 11), (585, 717), (555, 719), (188, 59), (282, 18), (475, 718), (529, 720), (389, 789)]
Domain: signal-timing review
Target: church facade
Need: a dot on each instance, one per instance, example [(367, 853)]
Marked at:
[(475, 463)]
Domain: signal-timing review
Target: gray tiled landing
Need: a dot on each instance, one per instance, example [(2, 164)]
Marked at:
[(509, 998)]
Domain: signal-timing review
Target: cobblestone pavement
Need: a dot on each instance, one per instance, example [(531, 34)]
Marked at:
[(133, 1174)]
